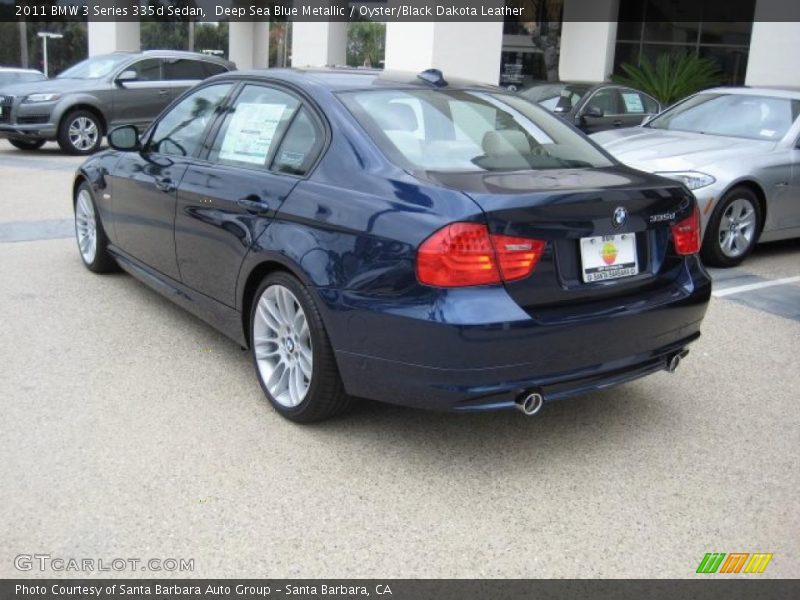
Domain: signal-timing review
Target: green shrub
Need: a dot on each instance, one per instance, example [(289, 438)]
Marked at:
[(672, 78)]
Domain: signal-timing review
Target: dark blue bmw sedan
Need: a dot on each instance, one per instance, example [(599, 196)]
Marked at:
[(403, 238)]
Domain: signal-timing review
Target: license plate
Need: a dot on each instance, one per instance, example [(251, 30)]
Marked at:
[(609, 257)]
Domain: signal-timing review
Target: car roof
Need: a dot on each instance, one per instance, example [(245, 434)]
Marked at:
[(777, 92), (19, 70), (175, 54), (338, 79)]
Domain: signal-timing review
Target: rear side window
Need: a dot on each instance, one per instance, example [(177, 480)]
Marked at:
[(469, 130), (211, 69), (253, 126), (181, 68), (299, 146)]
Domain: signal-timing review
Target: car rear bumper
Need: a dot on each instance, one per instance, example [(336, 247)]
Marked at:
[(488, 364)]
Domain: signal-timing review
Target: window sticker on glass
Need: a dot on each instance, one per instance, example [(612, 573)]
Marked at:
[(250, 132), (633, 102)]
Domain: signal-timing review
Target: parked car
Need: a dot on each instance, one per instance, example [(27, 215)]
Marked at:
[(78, 106), (594, 107), (9, 75), (402, 238), (738, 150)]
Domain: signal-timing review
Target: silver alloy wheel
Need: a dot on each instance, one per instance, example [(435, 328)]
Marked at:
[(282, 345), (86, 226), (737, 227), (83, 133)]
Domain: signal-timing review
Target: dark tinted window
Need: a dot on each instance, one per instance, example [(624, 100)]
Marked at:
[(148, 69), (607, 100), (253, 125), (299, 147), (181, 131), (213, 69), (184, 69)]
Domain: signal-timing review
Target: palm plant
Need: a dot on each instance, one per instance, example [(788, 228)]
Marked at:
[(672, 78)]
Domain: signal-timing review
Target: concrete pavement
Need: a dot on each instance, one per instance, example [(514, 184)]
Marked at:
[(132, 429)]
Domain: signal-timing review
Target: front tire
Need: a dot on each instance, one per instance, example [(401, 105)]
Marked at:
[(80, 133), (27, 144), (292, 353), (92, 240), (733, 229)]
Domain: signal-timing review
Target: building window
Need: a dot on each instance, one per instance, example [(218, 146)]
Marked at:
[(531, 47), (643, 30)]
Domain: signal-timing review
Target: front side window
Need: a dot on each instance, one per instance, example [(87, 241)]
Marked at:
[(148, 69), (465, 130), (181, 131), (253, 125), (736, 115), (607, 100)]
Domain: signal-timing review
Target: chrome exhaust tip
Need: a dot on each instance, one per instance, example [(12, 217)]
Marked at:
[(674, 361), (530, 403)]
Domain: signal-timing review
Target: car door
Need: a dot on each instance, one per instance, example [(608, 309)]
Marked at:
[(139, 101), (600, 111), (145, 183), (265, 143)]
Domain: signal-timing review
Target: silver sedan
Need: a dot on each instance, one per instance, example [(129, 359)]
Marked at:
[(738, 150)]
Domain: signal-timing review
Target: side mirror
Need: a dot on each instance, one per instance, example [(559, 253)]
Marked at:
[(592, 111), (126, 76), (125, 138)]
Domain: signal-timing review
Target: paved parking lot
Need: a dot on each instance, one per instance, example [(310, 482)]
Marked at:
[(131, 429)]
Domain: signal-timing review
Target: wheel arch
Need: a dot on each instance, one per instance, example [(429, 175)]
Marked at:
[(253, 279), (89, 108), (761, 195)]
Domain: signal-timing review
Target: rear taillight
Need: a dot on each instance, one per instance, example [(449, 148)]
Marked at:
[(464, 254), (686, 234)]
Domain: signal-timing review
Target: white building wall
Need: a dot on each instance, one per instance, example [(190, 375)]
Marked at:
[(248, 44), (460, 50), (587, 50), (112, 36), (775, 47), (319, 44)]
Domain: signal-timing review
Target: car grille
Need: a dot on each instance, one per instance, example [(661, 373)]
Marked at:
[(33, 120), (5, 103)]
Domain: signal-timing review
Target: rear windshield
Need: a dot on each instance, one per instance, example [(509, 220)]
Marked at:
[(466, 130)]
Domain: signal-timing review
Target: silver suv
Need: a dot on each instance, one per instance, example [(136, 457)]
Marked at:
[(84, 102)]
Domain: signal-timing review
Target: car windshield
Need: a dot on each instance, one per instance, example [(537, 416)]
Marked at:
[(9, 77), (95, 67), (735, 115), (469, 130), (556, 97)]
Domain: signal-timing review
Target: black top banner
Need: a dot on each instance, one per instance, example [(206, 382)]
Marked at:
[(397, 10)]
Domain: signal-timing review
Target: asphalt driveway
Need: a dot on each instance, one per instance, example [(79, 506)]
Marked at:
[(132, 429)]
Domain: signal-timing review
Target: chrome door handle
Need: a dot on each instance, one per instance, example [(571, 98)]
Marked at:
[(163, 92), (165, 184), (253, 204)]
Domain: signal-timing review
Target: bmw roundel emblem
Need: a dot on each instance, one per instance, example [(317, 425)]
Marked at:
[(620, 217)]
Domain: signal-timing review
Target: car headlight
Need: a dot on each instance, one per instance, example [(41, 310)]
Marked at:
[(42, 97), (691, 179)]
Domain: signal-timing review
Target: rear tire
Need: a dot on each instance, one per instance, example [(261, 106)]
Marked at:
[(92, 240), (80, 133), (292, 353), (27, 144), (733, 229)]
